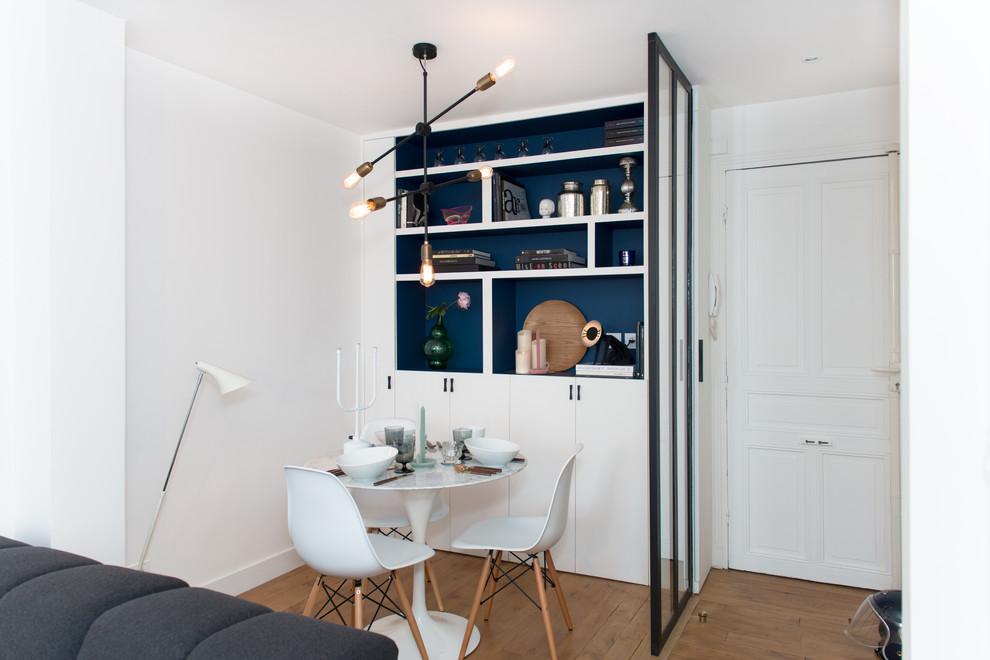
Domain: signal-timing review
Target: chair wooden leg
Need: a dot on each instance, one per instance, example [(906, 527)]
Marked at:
[(410, 619), (311, 603), (491, 592), (432, 577), (357, 616), (543, 606), (557, 588), (475, 606)]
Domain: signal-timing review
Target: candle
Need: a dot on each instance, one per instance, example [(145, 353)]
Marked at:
[(422, 427), (539, 353), (523, 339), (522, 361)]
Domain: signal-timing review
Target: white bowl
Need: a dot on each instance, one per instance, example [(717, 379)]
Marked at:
[(366, 463), (492, 451)]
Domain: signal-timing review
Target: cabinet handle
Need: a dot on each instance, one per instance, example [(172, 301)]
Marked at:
[(579, 392), (451, 384), (444, 384), (389, 383), (570, 397)]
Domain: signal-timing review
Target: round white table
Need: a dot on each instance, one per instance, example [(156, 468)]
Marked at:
[(442, 631)]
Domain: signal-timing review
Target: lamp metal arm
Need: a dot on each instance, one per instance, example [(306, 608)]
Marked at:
[(175, 454)]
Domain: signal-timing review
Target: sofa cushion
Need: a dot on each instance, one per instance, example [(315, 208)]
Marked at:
[(282, 635), (164, 625), (9, 543), (23, 563), (49, 616)]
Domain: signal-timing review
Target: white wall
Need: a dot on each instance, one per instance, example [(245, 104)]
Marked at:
[(836, 123), (705, 432), (946, 416), (239, 253), (62, 335)]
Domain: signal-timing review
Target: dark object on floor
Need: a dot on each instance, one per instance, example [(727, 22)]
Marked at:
[(55, 604), (877, 624)]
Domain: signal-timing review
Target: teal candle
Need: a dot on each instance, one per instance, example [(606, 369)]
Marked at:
[(422, 427)]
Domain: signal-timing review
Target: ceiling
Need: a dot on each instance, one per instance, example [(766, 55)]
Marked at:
[(351, 64)]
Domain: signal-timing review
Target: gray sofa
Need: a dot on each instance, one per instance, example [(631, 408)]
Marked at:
[(55, 604)]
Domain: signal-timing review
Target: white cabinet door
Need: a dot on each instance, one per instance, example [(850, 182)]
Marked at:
[(427, 390), (611, 502), (451, 400), (542, 424), (479, 400)]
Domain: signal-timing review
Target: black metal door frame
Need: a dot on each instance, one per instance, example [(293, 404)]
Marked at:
[(659, 630)]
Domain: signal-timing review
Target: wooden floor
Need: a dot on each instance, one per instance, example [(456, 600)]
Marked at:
[(749, 616)]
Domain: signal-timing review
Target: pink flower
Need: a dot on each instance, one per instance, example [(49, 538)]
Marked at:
[(463, 302)]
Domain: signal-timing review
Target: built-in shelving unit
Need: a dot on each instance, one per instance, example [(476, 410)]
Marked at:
[(485, 337)]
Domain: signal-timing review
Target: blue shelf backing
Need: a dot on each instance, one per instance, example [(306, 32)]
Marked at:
[(569, 132), (464, 327), (503, 248), (614, 301)]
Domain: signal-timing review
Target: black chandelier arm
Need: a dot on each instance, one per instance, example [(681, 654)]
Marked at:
[(423, 128)]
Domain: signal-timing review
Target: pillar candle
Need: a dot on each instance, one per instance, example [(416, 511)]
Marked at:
[(538, 353), (522, 361), (523, 339)]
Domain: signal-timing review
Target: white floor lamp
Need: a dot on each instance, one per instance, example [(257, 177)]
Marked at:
[(227, 381)]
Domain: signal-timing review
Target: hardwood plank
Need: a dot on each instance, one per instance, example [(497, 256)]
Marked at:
[(749, 616)]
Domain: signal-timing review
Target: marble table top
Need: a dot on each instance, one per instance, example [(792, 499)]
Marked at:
[(438, 476)]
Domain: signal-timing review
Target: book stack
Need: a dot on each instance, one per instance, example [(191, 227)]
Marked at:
[(458, 260), (624, 131), (549, 258)]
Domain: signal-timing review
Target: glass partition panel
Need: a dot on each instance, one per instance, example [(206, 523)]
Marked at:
[(668, 330)]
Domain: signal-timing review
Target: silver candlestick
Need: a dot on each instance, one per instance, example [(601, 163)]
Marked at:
[(628, 186)]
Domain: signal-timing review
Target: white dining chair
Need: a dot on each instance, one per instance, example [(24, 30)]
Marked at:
[(383, 511), (326, 528), (523, 537)]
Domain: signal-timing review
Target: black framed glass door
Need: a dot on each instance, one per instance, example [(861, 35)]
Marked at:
[(671, 368)]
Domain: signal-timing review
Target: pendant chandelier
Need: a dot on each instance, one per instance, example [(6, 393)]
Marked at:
[(423, 52)]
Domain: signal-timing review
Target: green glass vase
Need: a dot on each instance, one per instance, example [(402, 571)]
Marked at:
[(437, 347)]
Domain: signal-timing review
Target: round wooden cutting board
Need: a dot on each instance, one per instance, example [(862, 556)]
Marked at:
[(560, 323)]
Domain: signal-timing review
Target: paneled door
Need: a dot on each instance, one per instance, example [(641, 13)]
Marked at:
[(810, 482)]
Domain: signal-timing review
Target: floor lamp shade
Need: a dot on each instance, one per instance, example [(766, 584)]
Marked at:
[(227, 381)]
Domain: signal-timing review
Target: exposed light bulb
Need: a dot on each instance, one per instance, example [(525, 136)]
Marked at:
[(361, 210), (363, 170), (427, 276), (483, 172), (504, 68), (351, 180)]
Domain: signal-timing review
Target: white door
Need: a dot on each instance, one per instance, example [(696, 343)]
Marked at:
[(809, 438)]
